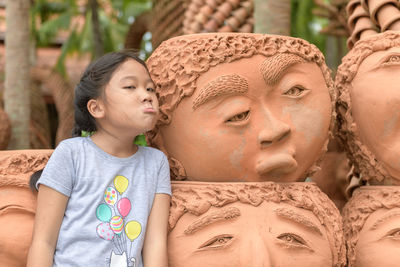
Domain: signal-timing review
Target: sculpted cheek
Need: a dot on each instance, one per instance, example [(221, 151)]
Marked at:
[(390, 123), (237, 155), (309, 122)]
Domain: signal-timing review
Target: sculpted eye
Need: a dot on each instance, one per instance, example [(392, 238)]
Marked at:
[(239, 117), (217, 242), (292, 239), (295, 91), (393, 59), (395, 233)]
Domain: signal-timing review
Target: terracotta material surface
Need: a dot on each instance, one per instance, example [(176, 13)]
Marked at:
[(253, 224), (359, 22), (17, 203), (332, 178), (369, 108), (371, 226), (241, 107), (383, 13)]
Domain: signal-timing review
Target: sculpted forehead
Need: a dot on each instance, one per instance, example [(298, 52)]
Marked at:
[(377, 60)]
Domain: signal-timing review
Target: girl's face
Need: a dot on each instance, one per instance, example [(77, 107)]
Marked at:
[(130, 103)]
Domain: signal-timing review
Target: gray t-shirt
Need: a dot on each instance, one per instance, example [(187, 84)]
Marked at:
[(109, 202)]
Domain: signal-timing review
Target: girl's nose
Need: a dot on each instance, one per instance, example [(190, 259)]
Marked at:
[(273, 130), (146, 97)]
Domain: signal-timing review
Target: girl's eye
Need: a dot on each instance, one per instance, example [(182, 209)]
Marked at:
[(292, 239), (392, 59), (150, 89), (217, 242), (239, 117), (129, 87), (295, 91)]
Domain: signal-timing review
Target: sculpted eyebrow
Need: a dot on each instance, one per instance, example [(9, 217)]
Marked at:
[(275, 66), (389, 215), (230, 84), (222, 214), (298, 218)]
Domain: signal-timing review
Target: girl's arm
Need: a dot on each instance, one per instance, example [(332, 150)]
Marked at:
[(49, 215), (155, 243)]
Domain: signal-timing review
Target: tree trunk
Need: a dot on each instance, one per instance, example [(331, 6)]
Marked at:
[(272, 16), (16, 91), (97, 38)]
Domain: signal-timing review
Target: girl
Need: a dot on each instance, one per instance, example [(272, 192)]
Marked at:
[(103, 201)]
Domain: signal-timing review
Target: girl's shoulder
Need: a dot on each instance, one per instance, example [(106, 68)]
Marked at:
[(71, 144), (152, 152)]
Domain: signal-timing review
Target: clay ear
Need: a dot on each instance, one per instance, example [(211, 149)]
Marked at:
[(95, 108)]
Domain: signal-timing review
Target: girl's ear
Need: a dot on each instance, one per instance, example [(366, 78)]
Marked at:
[(95, 108)]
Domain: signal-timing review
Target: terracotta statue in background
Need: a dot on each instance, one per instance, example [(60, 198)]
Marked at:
[(371, 221), (17, 203), (253, 224), (241, 107), (369, 108)]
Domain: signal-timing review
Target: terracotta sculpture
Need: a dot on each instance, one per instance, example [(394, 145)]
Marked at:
[(368, 108), (253, 224), (17, 203), (241, 107), (371, 226)]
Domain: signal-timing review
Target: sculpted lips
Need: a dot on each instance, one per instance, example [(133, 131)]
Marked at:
[(282, 163)]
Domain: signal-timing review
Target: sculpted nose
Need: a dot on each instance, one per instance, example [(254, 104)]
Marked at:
[(273, 130), (258, 253)]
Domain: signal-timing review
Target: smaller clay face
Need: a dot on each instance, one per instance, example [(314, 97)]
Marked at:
[(368, 108), (17, 203), (253, 224), (255, 119), (282, 235), (371, 226), (378, 244), (375, 96)]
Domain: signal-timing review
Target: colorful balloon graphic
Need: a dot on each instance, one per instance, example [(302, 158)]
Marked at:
[(103, 212), (133, 230), (121, 183), (104, 231), (124, 206), (110, 195), (117, 224)]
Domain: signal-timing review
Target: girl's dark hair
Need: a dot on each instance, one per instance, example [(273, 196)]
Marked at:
[(93, 81), (34, 178)]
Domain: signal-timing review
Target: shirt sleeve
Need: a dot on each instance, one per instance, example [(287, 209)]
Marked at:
[(163, 181), (58, 173)]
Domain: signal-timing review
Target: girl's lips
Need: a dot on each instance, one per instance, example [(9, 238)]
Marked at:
[(149, 110)]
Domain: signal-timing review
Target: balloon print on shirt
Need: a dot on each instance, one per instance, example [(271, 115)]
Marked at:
[(112, 213)]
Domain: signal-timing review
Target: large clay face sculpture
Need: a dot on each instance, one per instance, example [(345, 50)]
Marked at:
[(369, 107), (253, 224), (17, 203), (371, 221), (241, 107)]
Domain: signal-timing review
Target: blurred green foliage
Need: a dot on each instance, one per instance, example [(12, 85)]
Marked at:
[(115, 16), (305, 25)]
